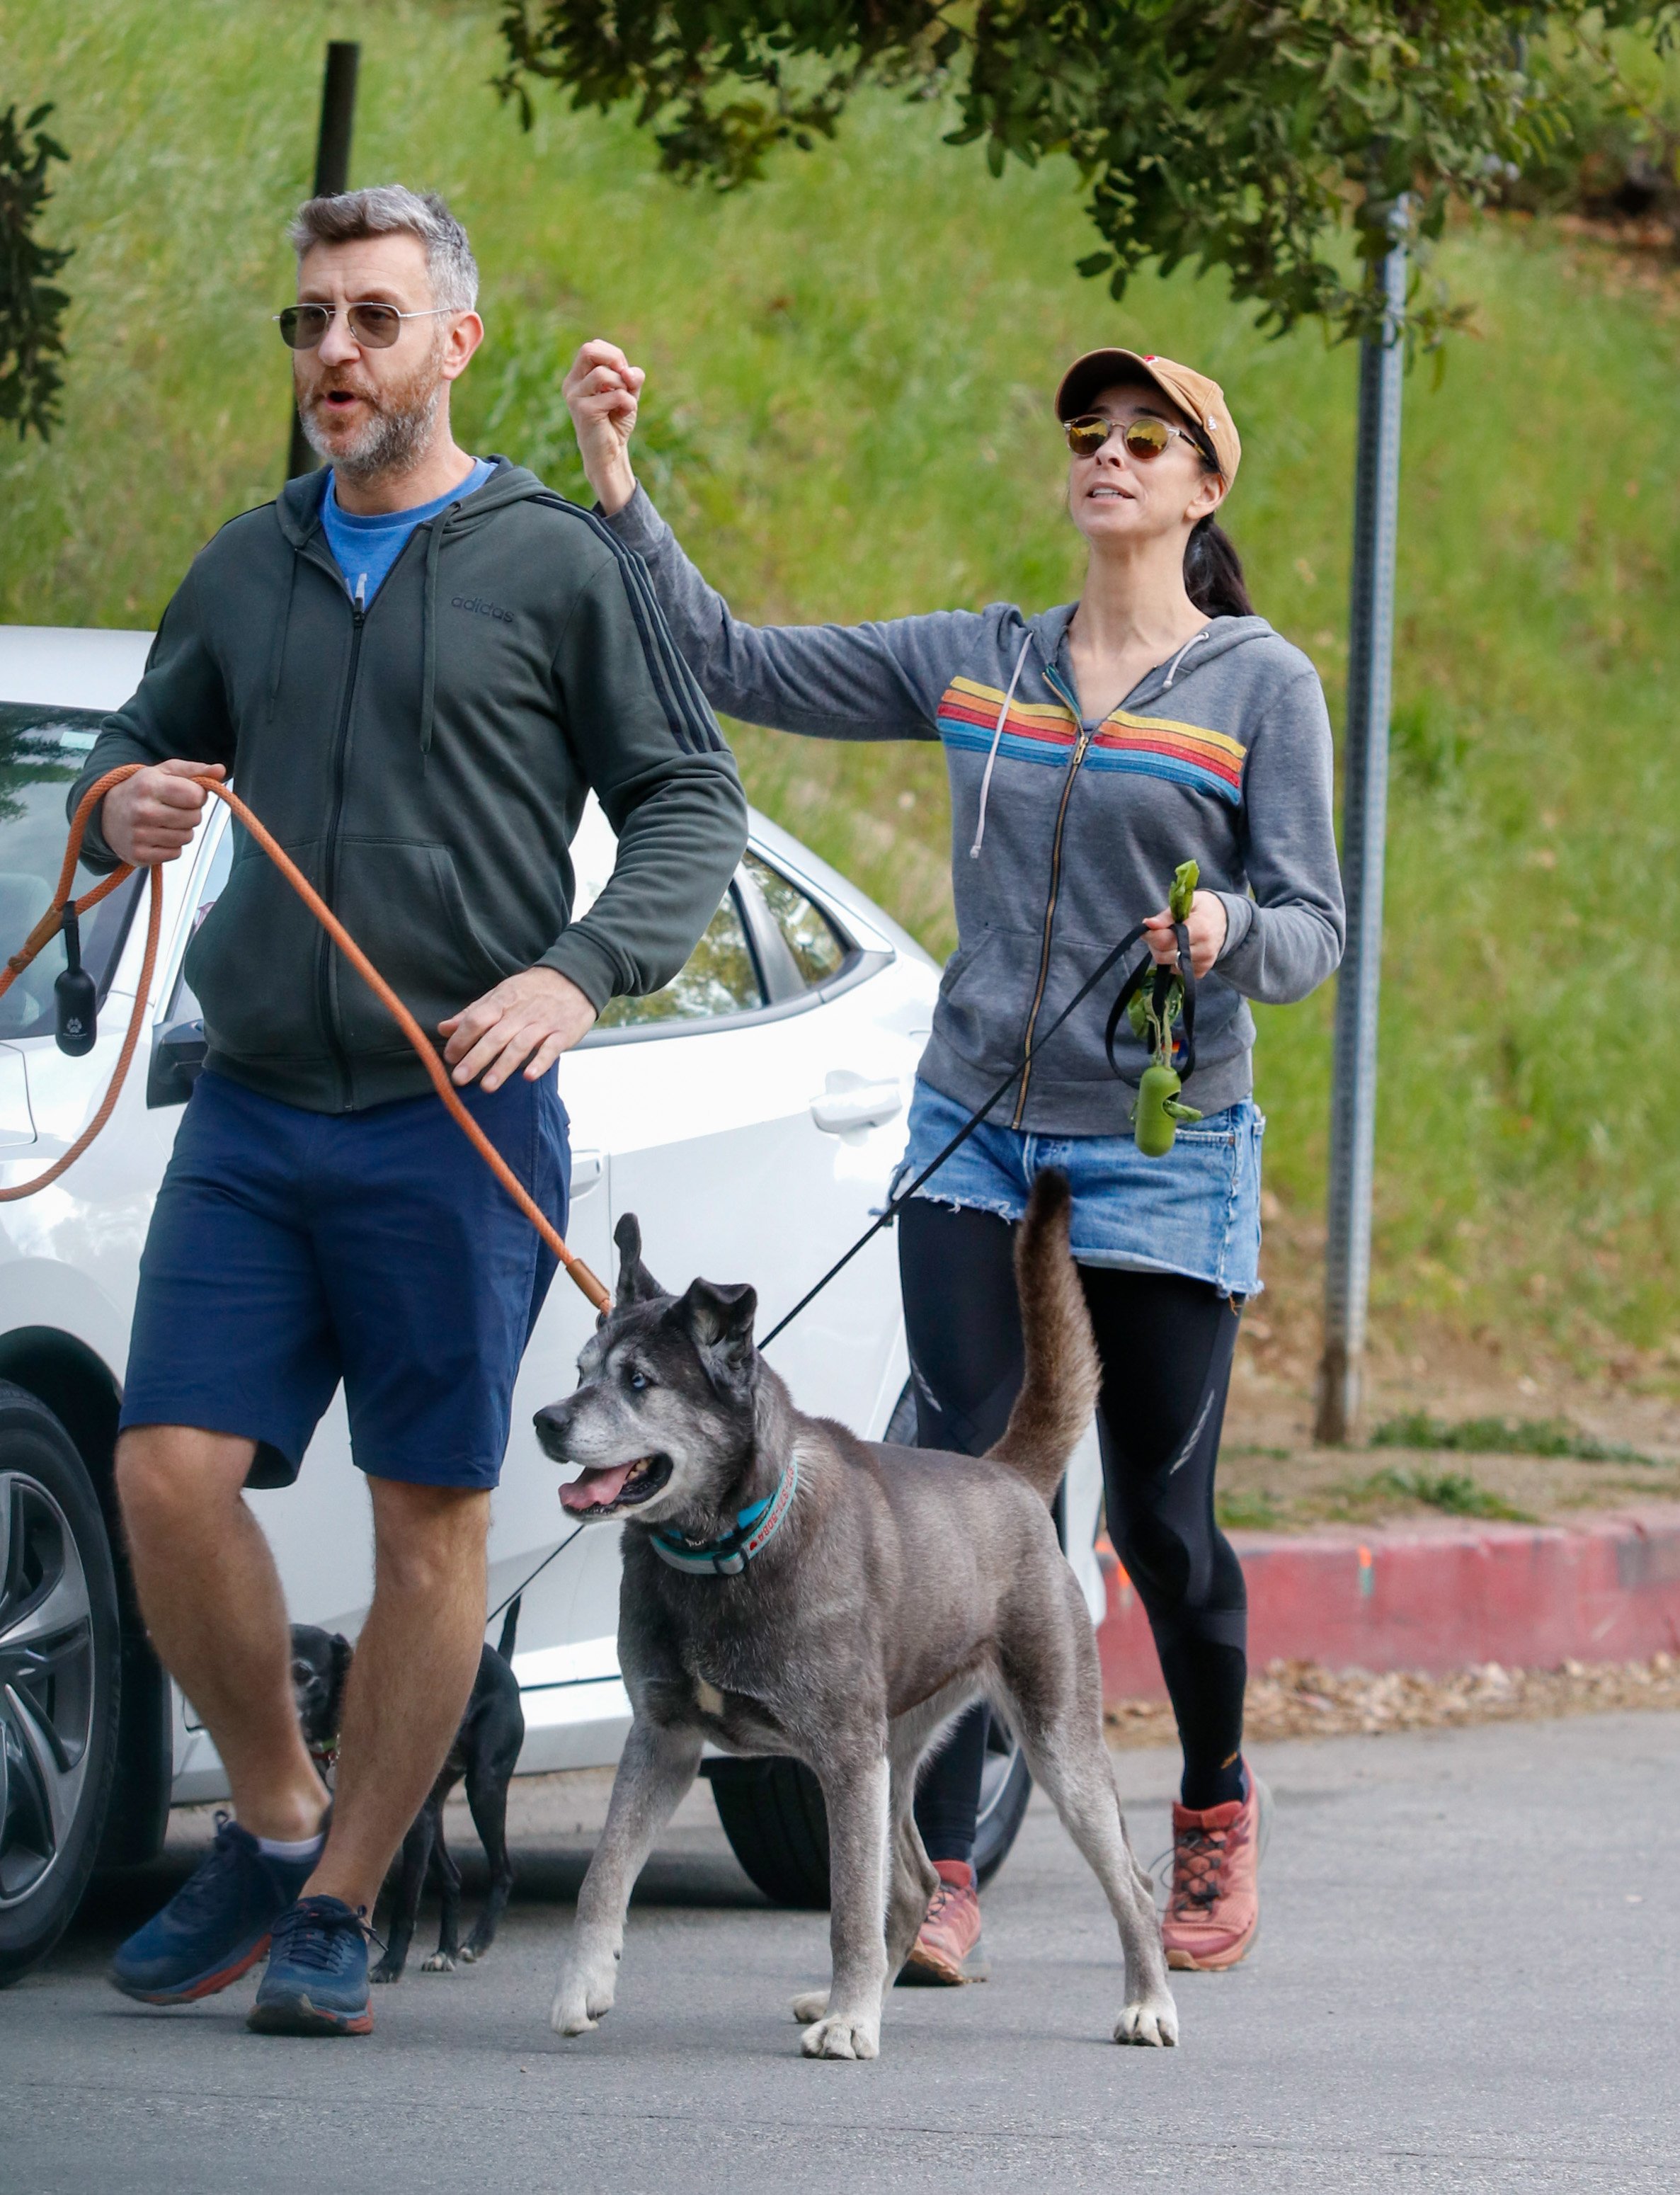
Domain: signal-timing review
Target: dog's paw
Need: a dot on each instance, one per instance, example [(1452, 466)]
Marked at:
[(810, 2005), (439, 1964), (582, 2001), (836, 2035), (385, 1972), (1153, 2022)]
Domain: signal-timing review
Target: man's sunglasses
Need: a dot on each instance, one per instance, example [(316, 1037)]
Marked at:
[(1145, 438), (375, 328)]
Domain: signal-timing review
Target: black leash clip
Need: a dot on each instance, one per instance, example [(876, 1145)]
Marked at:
[(74, 1000)]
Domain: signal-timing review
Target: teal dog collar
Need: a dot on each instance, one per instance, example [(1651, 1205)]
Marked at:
[(755, 1529)]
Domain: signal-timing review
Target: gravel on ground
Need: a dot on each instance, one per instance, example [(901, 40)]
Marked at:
[(1303, 1699)]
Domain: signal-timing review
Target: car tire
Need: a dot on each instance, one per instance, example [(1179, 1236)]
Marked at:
[(60, 1680), (773, 1816), (773, 1811)]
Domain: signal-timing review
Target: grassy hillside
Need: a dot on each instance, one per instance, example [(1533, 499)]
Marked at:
[(850, 368)]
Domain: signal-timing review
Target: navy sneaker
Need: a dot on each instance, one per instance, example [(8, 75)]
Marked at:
[(317, 1979), (216, 1926)]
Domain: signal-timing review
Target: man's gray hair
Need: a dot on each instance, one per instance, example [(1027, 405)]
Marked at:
[(391, 209)]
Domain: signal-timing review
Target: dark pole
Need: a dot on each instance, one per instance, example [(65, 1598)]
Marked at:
[(333, 175), (1353, 1114)]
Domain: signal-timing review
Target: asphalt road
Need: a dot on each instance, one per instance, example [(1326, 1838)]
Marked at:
[(1467, 1980)]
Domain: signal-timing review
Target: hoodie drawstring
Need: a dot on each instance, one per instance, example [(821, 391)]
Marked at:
[(428, 638), (1179, 658), (997, 740)]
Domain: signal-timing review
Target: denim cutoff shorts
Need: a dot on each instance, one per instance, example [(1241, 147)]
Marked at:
[(1195, 1212)]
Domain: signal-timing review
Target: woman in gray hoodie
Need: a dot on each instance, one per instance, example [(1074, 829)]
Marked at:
[(1091, 749)]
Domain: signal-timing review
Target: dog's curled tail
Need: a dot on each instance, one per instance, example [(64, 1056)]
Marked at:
[(1063, 1376)]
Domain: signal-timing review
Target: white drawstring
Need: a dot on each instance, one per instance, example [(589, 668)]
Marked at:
[(997, 738), (1180, 657)]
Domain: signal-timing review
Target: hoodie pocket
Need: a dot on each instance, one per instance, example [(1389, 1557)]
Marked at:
[(401, 900), (985, 996), (251, 965)]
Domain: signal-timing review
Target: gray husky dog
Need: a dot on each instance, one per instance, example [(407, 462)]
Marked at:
[(789, 1589)]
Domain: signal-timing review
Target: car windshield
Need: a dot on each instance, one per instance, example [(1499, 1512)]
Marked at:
[(42, 752)]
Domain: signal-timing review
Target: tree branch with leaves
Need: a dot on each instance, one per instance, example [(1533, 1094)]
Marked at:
[(31, 307), (1261, 138)]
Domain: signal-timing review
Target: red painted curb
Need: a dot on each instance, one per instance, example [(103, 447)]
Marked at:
[(1435, 1595)]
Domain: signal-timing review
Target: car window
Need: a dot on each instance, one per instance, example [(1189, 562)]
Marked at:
[(42, 752), (720, 977), (816, 945)]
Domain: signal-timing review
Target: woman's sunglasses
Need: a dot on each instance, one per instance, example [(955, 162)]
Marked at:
[(375, 328), (1145, 438)]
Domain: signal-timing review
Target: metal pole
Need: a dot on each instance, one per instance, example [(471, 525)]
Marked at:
[(333, 175), (1352, 1117)]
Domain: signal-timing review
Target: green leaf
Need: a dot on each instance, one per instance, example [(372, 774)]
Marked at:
[(31, 306), (1242, 137)]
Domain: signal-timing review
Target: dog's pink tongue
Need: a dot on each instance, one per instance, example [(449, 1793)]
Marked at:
[(597, 1488)]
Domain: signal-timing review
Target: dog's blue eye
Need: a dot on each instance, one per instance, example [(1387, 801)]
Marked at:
[(638, 1380)]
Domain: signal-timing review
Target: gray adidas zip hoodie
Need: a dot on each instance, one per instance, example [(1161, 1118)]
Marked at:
[(1065, 832)]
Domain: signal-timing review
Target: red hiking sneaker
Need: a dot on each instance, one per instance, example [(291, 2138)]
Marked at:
[(1213, 1914), (947, 1950)]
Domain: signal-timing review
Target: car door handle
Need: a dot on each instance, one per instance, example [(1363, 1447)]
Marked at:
[(851, 1102), (587, 1168)]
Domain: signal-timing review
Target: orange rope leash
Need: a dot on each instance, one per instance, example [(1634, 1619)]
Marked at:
[(47, 928)]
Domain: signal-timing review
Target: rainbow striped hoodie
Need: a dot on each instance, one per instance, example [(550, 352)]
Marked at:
[(1065, 831)]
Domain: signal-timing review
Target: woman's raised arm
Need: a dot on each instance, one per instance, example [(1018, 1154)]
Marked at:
[(879, 681)]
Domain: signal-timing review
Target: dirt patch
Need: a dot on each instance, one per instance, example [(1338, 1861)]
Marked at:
[(1274, 1487), (1302, 1699), (1273, 1477)]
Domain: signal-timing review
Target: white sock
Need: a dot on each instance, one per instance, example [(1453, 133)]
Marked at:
[(301, 1848)]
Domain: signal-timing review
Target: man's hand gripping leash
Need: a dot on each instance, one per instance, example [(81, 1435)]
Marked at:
[(55, 920)]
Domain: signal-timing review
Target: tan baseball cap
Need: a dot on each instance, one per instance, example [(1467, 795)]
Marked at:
[(1201, 401)]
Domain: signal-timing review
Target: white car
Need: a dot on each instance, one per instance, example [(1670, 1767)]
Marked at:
[(751, 1114)]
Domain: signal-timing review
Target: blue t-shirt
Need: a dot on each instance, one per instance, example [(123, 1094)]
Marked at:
[(366, 548)]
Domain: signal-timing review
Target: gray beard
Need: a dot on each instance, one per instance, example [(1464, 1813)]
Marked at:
[(391, 444)]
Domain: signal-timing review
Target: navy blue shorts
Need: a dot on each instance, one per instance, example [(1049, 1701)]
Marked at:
[(290, 1250)]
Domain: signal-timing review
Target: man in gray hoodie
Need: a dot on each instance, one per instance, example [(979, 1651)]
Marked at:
[(417, 664)]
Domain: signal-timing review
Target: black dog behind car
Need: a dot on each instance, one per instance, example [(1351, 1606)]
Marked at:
[(486, 1752)]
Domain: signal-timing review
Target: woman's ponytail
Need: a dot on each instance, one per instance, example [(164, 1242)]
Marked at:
[(1213, 571)]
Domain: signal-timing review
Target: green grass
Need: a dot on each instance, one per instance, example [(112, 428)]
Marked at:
[(850, 368), (1503, 1436), (1247, 1511), (1455, 1493)]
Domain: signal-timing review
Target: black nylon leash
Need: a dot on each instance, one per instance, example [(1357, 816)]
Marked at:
[(889, 1210), (502, 1605), (1164, 978), (1185, 977)]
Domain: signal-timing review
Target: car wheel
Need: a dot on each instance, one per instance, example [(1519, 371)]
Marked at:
[(59, 1680), (773, 1811), (773, 1814)]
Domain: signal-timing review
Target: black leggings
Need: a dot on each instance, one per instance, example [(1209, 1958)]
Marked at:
[(1166, 1345)]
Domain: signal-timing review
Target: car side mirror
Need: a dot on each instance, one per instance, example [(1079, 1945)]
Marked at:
[(177, 1058)]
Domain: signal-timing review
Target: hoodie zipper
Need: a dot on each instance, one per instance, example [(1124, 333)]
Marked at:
[(341, 745), (360, 609), (1076, 759)]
